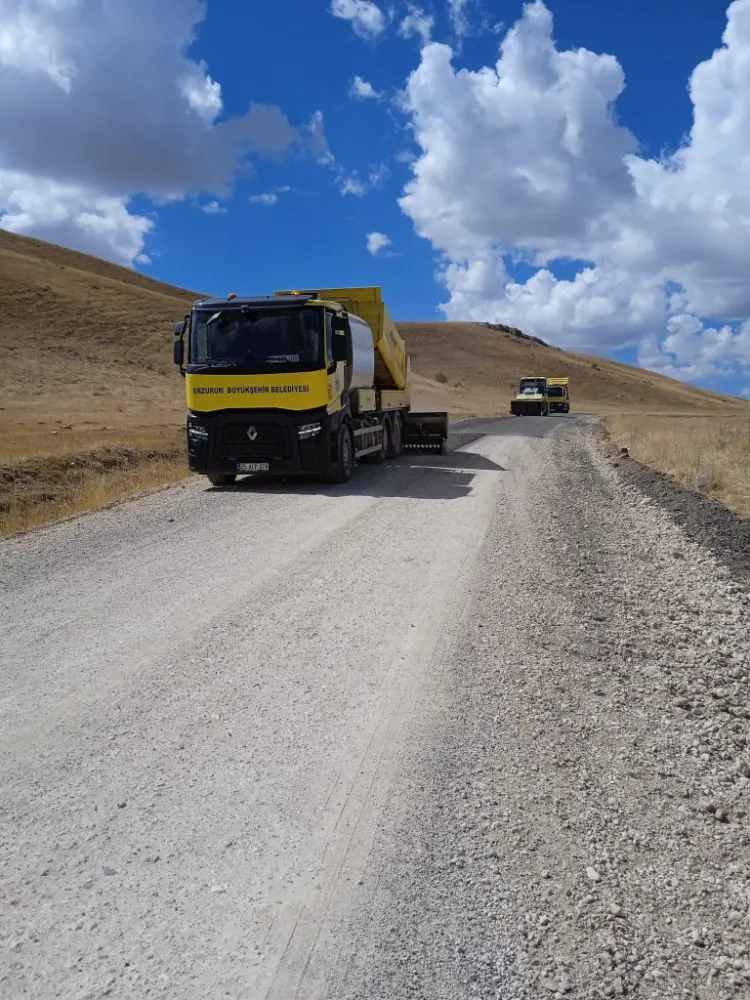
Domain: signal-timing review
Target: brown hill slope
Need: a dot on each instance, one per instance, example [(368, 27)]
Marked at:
[(483, 367), (82, 340), (87, 343), (88, 387)]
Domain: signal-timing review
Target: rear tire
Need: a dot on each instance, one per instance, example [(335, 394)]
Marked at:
[(395, 446), (340, 471), (220, 479)]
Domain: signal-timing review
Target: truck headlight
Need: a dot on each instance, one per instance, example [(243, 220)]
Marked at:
[(305, 431), (197, 432)]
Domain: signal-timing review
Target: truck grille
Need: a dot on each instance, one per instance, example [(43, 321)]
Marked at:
[(268, 443)]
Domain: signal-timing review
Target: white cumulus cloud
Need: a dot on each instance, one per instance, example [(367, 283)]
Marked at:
[(367, 19), (376, 243), (316, 139), (418, 23), (458, 17), (352, 183), (360, 88), (72, 215), (525, 160), (694, 350), (266, 198), (100, 102)]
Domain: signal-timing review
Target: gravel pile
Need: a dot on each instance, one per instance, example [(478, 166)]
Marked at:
[(580, 827)]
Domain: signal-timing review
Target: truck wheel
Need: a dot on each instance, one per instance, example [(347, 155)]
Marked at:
[(395, 446), (217, 479), (340, 471)]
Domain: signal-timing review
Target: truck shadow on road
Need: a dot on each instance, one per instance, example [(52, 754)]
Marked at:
[(420, 476)]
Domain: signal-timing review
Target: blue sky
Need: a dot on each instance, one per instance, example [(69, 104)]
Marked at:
[(301, 79), (527, 163)]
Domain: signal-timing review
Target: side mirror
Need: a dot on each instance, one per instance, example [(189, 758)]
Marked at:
[(338, 348), (179, 328), (179, 352)]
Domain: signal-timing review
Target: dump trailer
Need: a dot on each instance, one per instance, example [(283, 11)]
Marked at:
[(298, 382), (558, 395), (532, 398)]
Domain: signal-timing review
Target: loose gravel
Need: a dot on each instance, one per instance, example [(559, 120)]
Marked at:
[(527, 776), (702, 519), (581, 782)]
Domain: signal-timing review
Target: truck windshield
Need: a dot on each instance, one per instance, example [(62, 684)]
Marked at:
[(251, 341), (556, 391)]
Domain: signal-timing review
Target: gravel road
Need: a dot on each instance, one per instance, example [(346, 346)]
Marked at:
[(472, 726)]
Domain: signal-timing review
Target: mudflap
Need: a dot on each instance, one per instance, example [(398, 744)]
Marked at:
[(425, 431)]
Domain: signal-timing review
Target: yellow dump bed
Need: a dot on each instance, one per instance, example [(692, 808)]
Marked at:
[(557, 381), (391, 359)]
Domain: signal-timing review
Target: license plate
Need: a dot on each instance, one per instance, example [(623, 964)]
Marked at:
[(253, 466)]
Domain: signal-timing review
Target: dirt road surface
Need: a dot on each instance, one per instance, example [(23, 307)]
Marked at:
[(471, 726)]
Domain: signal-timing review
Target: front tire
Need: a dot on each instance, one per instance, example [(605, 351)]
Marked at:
[(340, 470), (220, 479)]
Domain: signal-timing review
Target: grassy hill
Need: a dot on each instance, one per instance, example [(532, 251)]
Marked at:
[(91, 403), (483, 366)]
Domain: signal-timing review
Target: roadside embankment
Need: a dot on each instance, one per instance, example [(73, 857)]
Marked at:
[(707, 454), (39, 483)]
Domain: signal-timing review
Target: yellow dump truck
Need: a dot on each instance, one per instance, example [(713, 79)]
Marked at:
[(299, 382), (558, 395), (531, 399)]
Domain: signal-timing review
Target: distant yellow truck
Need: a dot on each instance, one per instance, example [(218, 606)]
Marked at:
[(558, 395)]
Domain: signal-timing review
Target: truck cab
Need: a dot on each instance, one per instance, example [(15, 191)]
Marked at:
[(558, 395), (299, 382)]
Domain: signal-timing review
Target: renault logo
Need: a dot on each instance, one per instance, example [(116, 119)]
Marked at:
[(252, 433)]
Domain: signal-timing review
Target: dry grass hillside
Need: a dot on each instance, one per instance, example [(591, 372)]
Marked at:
[(91, 404), (92, 408), (479, 369)]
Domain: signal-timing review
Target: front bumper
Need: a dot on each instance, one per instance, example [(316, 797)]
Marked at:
[(219, 442), (527, 408)]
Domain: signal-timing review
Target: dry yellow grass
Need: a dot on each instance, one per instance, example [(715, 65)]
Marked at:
[(87, 489), (87, 376), (709, 454), (43, 480)]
